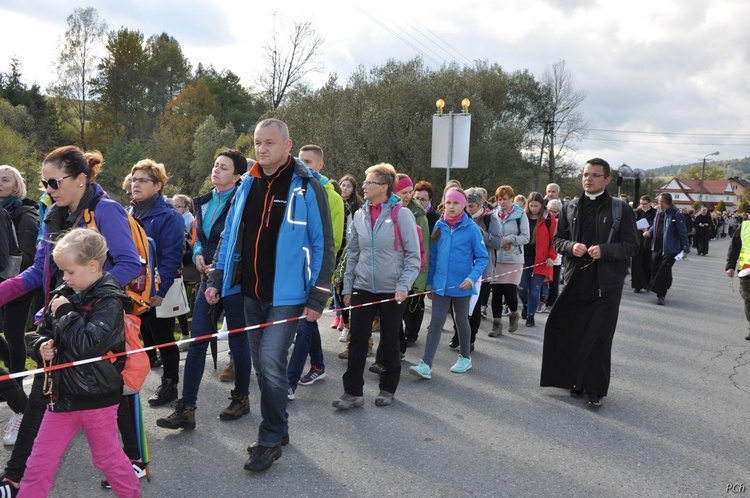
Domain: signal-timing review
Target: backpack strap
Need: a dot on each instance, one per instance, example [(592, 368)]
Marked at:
[(616, 217)]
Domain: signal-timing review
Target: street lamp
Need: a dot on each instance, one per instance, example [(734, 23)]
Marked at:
[(703, 176)]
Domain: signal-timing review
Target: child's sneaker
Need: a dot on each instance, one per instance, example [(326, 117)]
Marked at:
[(506, 310), (138, 466), (422, 370), (462, 365), (9, 488), (344, 335), (290, 392)]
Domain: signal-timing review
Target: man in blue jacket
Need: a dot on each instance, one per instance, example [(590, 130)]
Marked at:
[(277, 252), (668, 239)]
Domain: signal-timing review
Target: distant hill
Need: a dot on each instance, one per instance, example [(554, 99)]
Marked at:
[(734, 167)]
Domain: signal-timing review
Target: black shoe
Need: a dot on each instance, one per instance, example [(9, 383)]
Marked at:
[(524, 312), (576, 393), (471, 348), (747, 338), (410, 343), (454, 343), (637, 291), (377, 368), (254, 445), (530, 321), (595, 401), (165, 393), (262, 458), (155, 361), (660, 300)]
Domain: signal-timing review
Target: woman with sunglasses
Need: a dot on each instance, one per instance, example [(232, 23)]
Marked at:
[(69, 178)]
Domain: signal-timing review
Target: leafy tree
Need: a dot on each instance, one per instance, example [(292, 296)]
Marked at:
[(234, 104), (289, 62), (720, 207), (76, 65), (713, 172), (744, 207), (172, 143), (120, 158), (697, 205), (167, 72), (19, 153), (121, 87)]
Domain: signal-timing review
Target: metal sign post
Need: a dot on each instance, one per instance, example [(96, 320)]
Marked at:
[(450, 138)]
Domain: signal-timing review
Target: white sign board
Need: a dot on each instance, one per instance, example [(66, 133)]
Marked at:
[(450, 140)]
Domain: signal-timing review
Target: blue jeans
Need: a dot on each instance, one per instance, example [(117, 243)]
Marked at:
[(205, 321), (307, 341), (529, 290), (269, 347)]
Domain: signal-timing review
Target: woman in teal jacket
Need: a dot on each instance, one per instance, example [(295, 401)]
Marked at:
[(458, 258)]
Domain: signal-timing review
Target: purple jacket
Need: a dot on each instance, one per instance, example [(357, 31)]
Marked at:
[(122, 261)]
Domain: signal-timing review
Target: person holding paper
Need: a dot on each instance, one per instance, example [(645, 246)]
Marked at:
[(668, 242), (641, 262)]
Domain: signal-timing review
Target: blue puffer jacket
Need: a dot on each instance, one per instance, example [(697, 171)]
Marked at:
[(164, 224), (459, 253), (304, 251)]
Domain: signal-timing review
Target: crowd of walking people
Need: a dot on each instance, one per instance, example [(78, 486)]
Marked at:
[(272, 244)]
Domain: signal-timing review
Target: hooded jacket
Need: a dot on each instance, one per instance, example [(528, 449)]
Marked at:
[(90, 325), (457, 254), (206, 244), (373, 262), (304, 250)]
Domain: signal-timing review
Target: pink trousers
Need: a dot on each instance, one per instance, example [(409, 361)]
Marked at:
[(56, 432)]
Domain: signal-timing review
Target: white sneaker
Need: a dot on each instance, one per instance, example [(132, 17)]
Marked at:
[(344, 335), (506, 310), (11, 429)]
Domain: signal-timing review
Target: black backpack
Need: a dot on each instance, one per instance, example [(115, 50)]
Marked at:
[(10, 253)]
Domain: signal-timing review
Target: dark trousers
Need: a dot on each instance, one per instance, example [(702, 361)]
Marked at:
[(503, 292), (126, 425), (554, 286), (391, 314), (15, 316), (32, 419), (413, 316), (661, 271), (157, 331), (640, 269)]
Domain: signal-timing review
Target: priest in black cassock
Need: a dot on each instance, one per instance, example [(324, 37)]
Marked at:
[(579, 331)]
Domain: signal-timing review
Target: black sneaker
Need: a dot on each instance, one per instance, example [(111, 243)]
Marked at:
[(165, 393), (377, 368), (8, 489), (576, 393), (183, 417), (595, 401), (524, 312), (262, 458), (454, 342), (254, 445), (530, 321)]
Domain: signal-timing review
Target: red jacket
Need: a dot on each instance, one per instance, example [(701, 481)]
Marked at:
[(545, 248)]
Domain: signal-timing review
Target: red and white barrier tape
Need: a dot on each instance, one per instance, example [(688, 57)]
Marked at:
[(112, 356)]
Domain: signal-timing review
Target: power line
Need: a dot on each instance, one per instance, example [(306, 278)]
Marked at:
[(667, 133)]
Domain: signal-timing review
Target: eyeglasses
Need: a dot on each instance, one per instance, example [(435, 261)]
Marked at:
[(54, 182), (422, 200), (367, 183), (142, 180), (593, 175)]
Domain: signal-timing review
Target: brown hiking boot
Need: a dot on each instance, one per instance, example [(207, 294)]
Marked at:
[(183, 417), (497, 328), (514, 321), (228, 374), (239, 406)]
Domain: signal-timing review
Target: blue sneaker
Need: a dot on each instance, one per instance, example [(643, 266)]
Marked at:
[(462, 365), (422, 370)]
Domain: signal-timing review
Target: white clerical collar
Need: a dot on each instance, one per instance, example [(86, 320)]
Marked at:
[(593, 197)]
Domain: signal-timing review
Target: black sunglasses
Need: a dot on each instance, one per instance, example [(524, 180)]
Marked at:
[(54, 182)]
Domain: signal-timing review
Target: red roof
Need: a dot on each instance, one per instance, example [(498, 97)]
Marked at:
[(715, 187)]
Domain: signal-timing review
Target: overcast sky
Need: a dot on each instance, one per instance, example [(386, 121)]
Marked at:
[(666, 81)]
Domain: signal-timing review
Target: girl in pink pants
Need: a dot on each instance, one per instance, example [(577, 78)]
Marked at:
[(84, 320)]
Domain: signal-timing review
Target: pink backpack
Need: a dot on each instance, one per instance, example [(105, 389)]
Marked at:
[(397, 237)]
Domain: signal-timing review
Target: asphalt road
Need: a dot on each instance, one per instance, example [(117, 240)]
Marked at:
[(675, 422)]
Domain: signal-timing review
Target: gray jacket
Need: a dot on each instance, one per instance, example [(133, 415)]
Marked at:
[(515, 230), (374, 263)]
